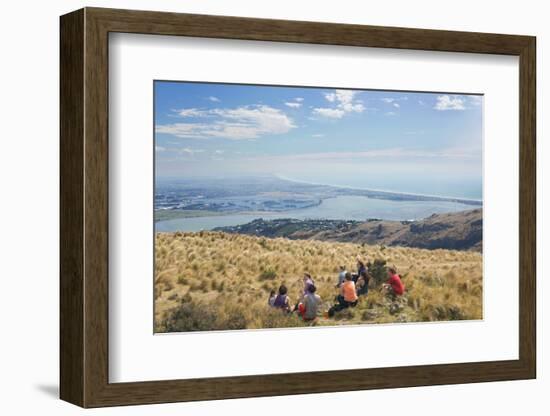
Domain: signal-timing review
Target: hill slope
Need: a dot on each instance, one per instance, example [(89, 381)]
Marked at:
[(214, 280), (456, 231)]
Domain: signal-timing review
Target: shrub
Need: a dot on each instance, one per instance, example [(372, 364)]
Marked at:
[(378, 271), (190, 317), (268, 274)]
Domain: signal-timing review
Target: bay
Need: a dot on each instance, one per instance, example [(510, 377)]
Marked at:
[(356, 208)]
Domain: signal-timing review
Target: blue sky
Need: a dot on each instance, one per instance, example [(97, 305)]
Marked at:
[(410, 142)]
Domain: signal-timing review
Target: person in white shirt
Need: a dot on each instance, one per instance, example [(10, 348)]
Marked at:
[(309, 307), (341, 276)]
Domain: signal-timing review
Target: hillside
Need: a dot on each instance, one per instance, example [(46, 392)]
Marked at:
[(455, 231), (215, 280)]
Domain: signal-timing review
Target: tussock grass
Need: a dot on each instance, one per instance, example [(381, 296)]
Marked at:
[(212, 280)]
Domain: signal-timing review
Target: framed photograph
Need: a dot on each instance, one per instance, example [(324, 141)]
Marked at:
[(254, 207)]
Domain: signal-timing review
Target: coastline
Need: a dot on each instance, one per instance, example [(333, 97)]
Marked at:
[(383, 191)]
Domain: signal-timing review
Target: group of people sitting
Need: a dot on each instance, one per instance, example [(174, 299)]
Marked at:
[(307, 306), (351, 287)]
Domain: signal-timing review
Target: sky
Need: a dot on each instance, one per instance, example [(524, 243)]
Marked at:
[(428, 143)]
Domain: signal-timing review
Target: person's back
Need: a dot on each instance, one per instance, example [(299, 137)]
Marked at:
[(348, 291), (312, 301), (396, 284), (281, 301)]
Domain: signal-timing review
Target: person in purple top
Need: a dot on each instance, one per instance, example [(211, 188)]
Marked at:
[(282, 300), (308, 281), (361, 268)]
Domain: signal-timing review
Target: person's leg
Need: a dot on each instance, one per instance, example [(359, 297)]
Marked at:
[(301, 310), (364, 290)]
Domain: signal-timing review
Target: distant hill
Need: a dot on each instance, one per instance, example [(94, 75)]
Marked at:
[(455, 231)]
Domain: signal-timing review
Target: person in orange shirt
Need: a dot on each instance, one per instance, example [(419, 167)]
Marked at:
[(347, 296)]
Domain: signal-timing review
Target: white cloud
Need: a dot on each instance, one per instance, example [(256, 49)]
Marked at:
[(190, 112), (248, 122), (391, 113), (219, 152), (214, 99), (318, 135), (160, 149), (350, 107), (295, 103), (390, 100), (189, 151), (341, 96), (330, 97), (329, 112), (345, 103), (396, 105), (446, 102)]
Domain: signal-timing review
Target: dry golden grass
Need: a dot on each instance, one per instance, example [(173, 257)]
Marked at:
[(231, 276)]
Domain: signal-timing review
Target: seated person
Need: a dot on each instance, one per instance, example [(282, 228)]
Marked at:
[(308, 281), (282, 300), (271, 299), (362, 284), (347, 296), (309, 306), (341, 276), (394, 285), (361, 268)]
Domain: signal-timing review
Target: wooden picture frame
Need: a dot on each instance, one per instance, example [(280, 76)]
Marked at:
[(84, 207)]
